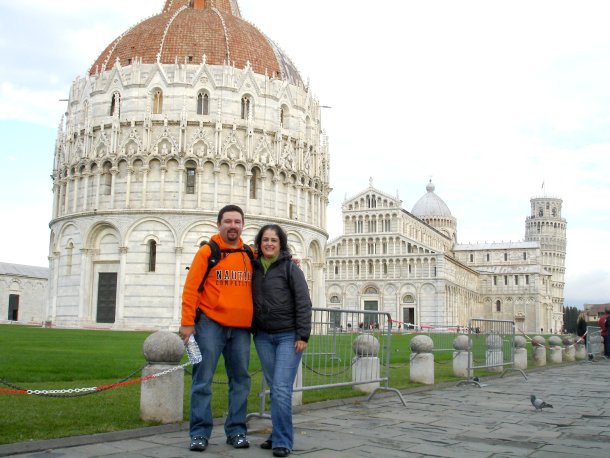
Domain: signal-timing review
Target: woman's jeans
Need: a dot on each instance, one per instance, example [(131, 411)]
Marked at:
[(280, 362), (234, 345)]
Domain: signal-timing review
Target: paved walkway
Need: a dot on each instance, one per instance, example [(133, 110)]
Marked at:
[(495, 420)]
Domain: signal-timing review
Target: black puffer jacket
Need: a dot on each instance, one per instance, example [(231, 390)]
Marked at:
[(277, 306)]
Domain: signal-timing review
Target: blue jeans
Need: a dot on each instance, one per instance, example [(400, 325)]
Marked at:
[(234, 345), (280, 363)]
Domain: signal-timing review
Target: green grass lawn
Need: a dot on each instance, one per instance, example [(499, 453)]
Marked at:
[(49, 358)]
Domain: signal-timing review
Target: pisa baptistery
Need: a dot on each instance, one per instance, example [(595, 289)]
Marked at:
[(187, 111)]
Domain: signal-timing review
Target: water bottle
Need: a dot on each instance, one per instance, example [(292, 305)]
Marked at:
[(192, 350)]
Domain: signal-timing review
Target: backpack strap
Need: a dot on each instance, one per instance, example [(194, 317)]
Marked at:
[(216, 255)]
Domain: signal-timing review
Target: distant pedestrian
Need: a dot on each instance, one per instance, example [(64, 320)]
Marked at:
[(581, 328), (603, 323)]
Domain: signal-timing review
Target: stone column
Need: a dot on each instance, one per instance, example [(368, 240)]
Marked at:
[(555, 352), (520, 353), (422, 360), (539, 351), (494, 357), (365, 365), (161, 397), (569, 352), (462, 357)]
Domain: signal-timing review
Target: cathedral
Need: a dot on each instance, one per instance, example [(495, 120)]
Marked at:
[(410, 265), (183, 113)]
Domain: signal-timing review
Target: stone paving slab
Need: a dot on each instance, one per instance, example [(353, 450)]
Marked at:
[(492, 421)]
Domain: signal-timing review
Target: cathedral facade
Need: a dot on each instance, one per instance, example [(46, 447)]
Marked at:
[(410, 265), (185, 112)]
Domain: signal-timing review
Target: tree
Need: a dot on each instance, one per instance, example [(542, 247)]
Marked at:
[(570, 317)]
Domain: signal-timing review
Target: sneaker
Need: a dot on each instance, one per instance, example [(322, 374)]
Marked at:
[(238, 441), (281, 451), (198, 444), (267, 445)]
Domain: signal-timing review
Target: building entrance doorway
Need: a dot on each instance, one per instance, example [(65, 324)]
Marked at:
[(371, 320), (13, 307), (106, 297), (408, 316)]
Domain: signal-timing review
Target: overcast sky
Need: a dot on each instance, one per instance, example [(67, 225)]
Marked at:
[(488, 99)]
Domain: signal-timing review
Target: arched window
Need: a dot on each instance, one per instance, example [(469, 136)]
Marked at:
[(371, 290), (334, 300), (408, 299), (152, 255), (203, 103), (191, 175), (246, 106), (498, 306), (157, 107), (115, 104)]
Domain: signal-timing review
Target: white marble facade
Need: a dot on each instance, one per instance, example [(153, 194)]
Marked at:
[(130, 184), (410, 265)]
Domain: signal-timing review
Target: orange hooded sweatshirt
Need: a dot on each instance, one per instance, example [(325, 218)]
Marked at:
[(227, 293)]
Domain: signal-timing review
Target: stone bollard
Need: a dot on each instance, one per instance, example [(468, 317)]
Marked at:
[(539, 351), (462, 357), (422, 360), (580, 353), (365, 365), (520, 352), (555, 351), (569, 350), (494, 357), (161, 398)]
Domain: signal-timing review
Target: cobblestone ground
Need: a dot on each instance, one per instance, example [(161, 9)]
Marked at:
[(495, 420)]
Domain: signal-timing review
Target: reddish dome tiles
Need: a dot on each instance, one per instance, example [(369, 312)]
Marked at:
[(186, 30)]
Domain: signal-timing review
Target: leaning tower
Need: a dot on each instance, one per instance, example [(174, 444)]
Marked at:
[(187, 111), (546, 226)]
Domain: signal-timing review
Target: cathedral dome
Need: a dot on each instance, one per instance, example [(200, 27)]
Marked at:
[(430, 204), (186, 30)]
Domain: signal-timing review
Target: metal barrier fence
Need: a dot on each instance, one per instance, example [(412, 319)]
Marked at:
[(442, 336), (491, 347), (595, 343), (346, 348)]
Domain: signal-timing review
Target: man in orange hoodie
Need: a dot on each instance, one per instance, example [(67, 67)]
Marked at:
[(220, 317)]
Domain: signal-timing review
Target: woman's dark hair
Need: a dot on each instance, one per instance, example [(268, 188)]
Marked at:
[(280, 235)]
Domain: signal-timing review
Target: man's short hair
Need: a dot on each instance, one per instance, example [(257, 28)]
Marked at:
[(230, 208)]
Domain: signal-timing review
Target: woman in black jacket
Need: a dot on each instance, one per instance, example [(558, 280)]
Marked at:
[(281, 326)]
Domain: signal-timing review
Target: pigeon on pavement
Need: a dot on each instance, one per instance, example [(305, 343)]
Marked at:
[(539, 404)]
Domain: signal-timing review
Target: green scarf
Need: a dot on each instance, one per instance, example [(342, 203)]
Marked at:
[(266, 262)]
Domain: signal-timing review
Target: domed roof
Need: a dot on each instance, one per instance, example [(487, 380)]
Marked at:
[(186, 30), (430, 204)]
